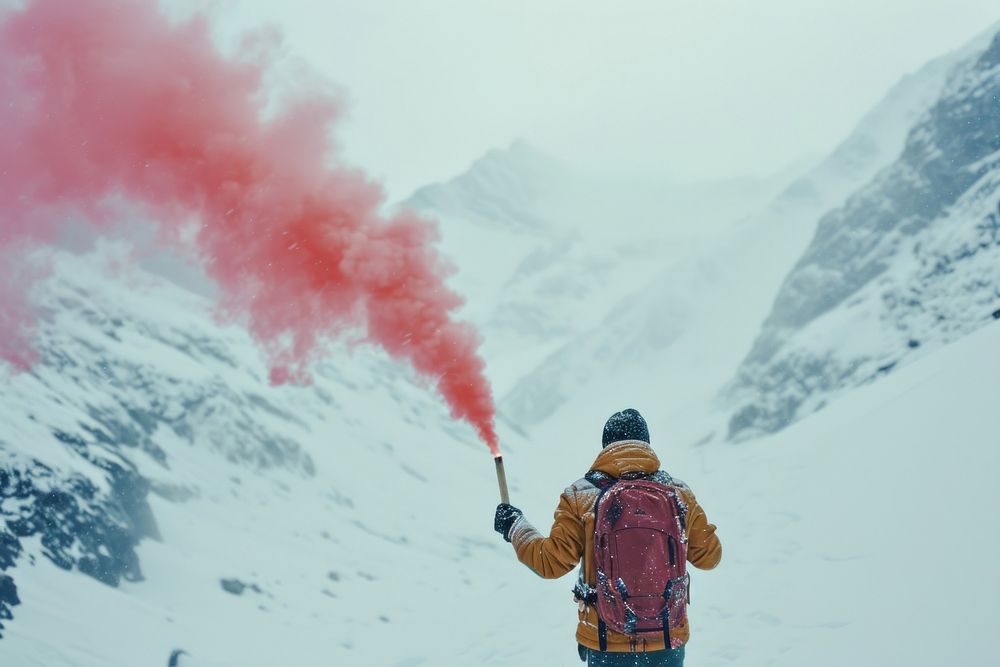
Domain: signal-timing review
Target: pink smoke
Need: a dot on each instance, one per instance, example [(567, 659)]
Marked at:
[(105, 98)]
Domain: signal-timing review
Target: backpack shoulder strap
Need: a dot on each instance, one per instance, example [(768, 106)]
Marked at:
[(664, 478), (601, 480), (681, 485)]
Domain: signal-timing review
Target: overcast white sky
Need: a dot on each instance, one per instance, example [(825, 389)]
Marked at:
[(687, 89)]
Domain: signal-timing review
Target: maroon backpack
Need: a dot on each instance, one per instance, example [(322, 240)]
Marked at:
[(640, 555)]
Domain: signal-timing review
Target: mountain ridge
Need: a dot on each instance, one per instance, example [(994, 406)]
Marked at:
[(908, 255)]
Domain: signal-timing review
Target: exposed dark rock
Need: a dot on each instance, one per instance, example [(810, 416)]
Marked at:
[(237, 587), (79, 525), (8, 599), (10, 547), (121, 430), (234, 586)]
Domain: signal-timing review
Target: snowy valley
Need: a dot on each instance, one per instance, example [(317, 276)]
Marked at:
[(157, 494)]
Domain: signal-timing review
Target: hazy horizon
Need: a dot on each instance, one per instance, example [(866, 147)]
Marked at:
[(683, 91)]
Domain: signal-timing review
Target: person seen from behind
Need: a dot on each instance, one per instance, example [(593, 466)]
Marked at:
[(634, 527)]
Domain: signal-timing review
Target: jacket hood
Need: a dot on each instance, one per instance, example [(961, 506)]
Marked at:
[(626, 456)]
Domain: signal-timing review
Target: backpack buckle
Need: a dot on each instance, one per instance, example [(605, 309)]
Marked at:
[(584, 593)]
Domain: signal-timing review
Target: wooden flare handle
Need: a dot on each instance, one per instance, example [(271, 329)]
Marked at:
[(502, 481)]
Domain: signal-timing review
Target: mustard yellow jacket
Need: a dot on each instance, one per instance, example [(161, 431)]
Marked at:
[(572, 539)]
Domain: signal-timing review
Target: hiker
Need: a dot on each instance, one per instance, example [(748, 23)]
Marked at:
[(629, 603)]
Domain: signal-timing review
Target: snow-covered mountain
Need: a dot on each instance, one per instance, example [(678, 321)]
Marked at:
[(910, 262), (156, 493), (504, 188), (674, 342), (526, 271), (541, 249)]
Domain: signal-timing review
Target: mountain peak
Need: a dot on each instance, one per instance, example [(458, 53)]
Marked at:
[(503, 187)]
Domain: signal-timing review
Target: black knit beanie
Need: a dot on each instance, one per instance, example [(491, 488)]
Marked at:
[(625, 425)]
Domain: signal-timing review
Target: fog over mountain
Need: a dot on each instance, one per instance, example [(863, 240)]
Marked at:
[(681, 335)]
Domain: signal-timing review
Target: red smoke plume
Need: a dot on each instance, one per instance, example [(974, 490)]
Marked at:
[(107, 98)]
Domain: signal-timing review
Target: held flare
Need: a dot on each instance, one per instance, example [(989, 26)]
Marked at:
[(502, 481)]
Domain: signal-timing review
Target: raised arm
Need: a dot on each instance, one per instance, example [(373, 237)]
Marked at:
[(553, 556)]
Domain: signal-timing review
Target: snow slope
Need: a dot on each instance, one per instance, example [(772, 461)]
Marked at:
[(148, 471), (859, 536)]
